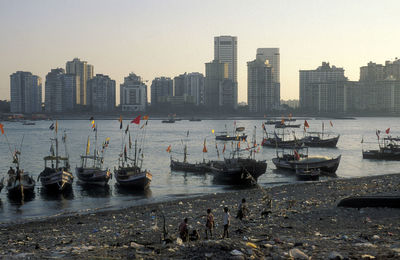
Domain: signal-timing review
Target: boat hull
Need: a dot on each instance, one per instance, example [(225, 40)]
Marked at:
[(307, 175), (381, 155), (95, 176), (327, 166), (17, 188), (130, 178), (317, 142), (271, 142), (231, 138), (188, 167), (56, 180)]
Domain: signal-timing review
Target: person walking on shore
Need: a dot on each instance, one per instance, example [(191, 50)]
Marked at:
[(184, 231), (209, 223), (242, 210), (227, 222)]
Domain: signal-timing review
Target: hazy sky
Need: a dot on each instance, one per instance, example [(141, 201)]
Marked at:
[(166, 38)]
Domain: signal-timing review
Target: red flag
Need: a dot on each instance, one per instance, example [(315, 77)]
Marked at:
[(306, 124), (2, 129), (136, 120), (223, 150), (204, 147), (330, 122), (296, 155), (388, 130), (169, 149)]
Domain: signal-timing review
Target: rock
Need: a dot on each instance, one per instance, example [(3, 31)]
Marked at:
[(297, 254), (136, 245), (367, 256), (366, 244), (208, 255), (335, 256), (375, 237), (179, 241)]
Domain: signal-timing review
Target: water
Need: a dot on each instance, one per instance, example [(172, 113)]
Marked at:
[(167, 185)]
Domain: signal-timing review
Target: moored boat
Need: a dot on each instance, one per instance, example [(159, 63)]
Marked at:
[(226, 137), (389, 149), (56, 175), (319, 139), (307, 174), (292, 159), (20, 184)]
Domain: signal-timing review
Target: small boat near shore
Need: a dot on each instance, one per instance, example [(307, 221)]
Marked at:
[(280, 140), (56, 177), (389, 149), (319, 139), (226, 137), (193, 119), (292, 159), (307, 174), (283, 125)]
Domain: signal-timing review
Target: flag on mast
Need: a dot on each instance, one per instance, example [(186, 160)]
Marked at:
[(88, 146), (2, 129), (387, 131), (204, 147), (136, 120), (168, 149), (120, 120)]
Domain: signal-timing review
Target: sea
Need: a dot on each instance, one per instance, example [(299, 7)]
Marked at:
[(33, 141)]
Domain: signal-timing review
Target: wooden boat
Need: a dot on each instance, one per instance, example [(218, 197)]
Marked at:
[(283, 125), (281, 142), (195, 119), (389, 149), (168, 121), (91, 170), (274, 122), (226, 137), (319, 139), (22, 186), (293, 160), (28, 123), (307, 174), (185, 166), (56, 177), (129, 173)]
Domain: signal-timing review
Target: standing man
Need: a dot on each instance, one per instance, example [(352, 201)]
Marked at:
[(227, 222)]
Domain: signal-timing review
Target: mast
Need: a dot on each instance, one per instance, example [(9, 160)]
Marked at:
[(95, 146), (185, 153), (135, 152), (56, 150)]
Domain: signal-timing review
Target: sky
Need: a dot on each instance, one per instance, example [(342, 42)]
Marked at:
[(154, 38)]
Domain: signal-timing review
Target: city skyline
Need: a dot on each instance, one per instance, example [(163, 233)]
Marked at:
[(168, 38)]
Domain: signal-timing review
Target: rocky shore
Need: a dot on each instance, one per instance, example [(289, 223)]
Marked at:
[(297, 221)]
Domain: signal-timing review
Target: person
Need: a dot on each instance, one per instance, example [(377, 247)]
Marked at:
[(242, 210), (183, 230), (227, 222), (11, 171), (18, 176), (209, 223)]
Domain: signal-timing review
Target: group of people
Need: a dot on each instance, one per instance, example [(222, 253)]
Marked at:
[(210, 223)]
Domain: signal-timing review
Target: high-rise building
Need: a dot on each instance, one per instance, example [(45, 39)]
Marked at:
[(272, 56), (54, 91), (225, 50), (161, 88), (260, 88), (101, 93), (219, 90), (85, 72), (70, 83), (179, 85), (25, 92), (133, 94), (194, 86), (323, 90)]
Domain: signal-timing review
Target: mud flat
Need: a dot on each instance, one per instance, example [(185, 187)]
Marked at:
[(302, 221)]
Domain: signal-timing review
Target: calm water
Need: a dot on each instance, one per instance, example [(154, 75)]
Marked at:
[(167, 184)]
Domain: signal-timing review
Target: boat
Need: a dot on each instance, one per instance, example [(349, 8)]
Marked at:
[(129, 173), (319, 139), (371, 201), (283, 125), (389, 149), (185, 166), (1, 184), (307, 174), (91, 170), (193, 119), (226, 137), (56, 175), (240, 129), (168, 121), (292, 159), (281, 142), (274, 122), (20, 186), (28, 123)]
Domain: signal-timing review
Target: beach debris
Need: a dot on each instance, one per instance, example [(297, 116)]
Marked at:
[(236, 252), (249, 244), (179, 241), (375, 237), (335, 256), (367, 256), (298, 254), (366, 244), (208, 255), (136, 245)]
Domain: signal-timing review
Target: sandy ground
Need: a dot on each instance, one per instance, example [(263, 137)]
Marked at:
[(303, 222)]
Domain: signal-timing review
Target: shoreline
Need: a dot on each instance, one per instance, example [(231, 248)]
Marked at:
[(303, 217)]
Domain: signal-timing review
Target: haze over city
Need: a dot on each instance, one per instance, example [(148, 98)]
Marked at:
[(168, 38)]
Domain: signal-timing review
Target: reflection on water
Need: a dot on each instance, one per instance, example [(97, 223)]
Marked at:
[(50, 195), (137, 193), (18, 199), (95, 191)]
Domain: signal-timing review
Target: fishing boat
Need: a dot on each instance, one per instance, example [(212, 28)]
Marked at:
[(168, 121), (307, 174), (283, 125), (20, 184), (280, 140), (1, 184), (129, 173), (193, 119), (293, 158), (224, 136), (91, 170), (28, 123), (185, 166), (320, 139), (56, 175), (389, 149)]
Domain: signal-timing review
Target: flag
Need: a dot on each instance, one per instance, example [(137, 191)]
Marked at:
[(136, 120), (127, 129), (88, 146), (2, 129), (168, 149), (330, 122), (120, 120), (263, 126), (296, 155), (216, 147), (282, 121), (387, 131), (306, 124), (56, 127), (107, 142), (51, 127), (204, 147), (145, 118), (239, 144), (223, 150), (212, 131), (130, 141)]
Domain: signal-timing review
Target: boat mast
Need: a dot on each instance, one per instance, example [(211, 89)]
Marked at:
[(56, 139), (135, 152), (95, 146)]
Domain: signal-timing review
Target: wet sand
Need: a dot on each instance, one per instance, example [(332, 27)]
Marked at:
[(303, 221)]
